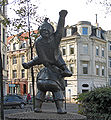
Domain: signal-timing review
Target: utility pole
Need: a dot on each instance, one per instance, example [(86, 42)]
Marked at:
[(1, 86), (32, 71)]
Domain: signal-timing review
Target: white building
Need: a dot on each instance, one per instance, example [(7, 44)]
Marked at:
[(84, 49)]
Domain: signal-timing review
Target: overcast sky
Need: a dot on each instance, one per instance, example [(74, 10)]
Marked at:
[(78, 10)]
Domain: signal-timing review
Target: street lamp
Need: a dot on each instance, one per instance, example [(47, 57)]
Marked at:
[(32, 72)]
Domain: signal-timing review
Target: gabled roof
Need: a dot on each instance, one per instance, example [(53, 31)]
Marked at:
[(22, 36)]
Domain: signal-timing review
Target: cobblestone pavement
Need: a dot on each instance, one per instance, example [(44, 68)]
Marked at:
[(49, 113), (70, 107)]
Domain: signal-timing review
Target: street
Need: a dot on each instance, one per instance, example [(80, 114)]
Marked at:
[(49, 113), (49, 106)]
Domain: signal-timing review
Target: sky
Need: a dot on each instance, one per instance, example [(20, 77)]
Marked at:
[(78, 10)]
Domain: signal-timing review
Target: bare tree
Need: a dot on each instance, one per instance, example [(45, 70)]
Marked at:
[(104, 3), (24, 10)]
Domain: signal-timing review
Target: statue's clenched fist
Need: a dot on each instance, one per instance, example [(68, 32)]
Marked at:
[(63, 13)]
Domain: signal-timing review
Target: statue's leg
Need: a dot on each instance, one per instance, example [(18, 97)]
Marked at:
[(59, 106), (39, 100), (58, 97), (38, 105)]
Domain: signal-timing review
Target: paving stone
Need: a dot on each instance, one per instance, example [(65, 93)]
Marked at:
[(44, 116)]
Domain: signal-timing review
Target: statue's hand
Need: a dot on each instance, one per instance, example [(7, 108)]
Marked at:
[(63, 13), (25, 65)]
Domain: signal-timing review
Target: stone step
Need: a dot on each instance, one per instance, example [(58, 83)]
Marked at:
[(44, 116)]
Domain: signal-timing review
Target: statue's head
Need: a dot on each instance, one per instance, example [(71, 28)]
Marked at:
[(46, 29)]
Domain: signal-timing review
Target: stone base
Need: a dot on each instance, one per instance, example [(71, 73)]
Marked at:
[(44, 116)]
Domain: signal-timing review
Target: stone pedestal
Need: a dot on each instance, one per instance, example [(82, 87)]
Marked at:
[(44, 116)]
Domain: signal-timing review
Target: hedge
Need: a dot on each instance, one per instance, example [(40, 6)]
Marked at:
[(96, 104)]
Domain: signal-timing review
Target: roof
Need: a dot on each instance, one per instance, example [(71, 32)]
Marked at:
[(22, 36)]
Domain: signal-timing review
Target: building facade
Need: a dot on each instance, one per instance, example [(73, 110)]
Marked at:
[(84, 48), (19, 79), (3, 45), (108, 37)]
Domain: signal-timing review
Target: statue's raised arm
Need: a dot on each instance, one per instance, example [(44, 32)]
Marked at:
[(60, 25)]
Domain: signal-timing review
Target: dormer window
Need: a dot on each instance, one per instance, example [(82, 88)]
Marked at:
[(98, 33), (84, 30), (23, 45), (68, 32), (15, 46), (8, 47)]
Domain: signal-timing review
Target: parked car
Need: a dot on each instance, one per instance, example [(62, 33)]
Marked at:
[(14, 101)]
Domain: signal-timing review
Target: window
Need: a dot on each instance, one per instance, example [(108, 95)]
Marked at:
[(14, 46), (109, 62), (3, 61), (102, 52), (23, 45), (97, 69), (85, 48), (23, 58), (7, 60), (84, 91), (71, 66), (4, 10), (14, 73), (98, 33), (63, 50), (14, 60), (23, 73), (110, 80), (85, 68), (69, 32), (8, 47), (3, 35), (102, 70), (109, 45), (85, 85), (24, 88), (71, 47), (85, 31), (97, 50)]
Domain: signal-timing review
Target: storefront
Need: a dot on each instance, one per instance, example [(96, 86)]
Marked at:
[(17, 88)]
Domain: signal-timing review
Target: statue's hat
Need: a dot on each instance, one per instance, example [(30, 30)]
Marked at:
[(46, 26)]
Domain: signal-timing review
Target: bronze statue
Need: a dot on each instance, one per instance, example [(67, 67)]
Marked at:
[(50, 78)]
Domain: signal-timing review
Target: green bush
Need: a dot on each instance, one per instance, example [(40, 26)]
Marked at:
[(96, 103)]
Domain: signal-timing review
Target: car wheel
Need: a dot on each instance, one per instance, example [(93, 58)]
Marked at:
[(22, 105)]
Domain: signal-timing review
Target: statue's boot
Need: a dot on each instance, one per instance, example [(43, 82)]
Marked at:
[(59, 106), (38, 105)]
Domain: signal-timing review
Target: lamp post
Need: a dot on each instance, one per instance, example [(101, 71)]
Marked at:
[(32, 72), (1, 86)]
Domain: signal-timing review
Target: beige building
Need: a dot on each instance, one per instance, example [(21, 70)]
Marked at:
[(19, 79), (3, 45), (84, 48)]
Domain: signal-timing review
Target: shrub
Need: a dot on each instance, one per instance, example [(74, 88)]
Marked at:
[(96, 103)]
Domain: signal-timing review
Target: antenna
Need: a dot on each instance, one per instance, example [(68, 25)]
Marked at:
[(96, 21)]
